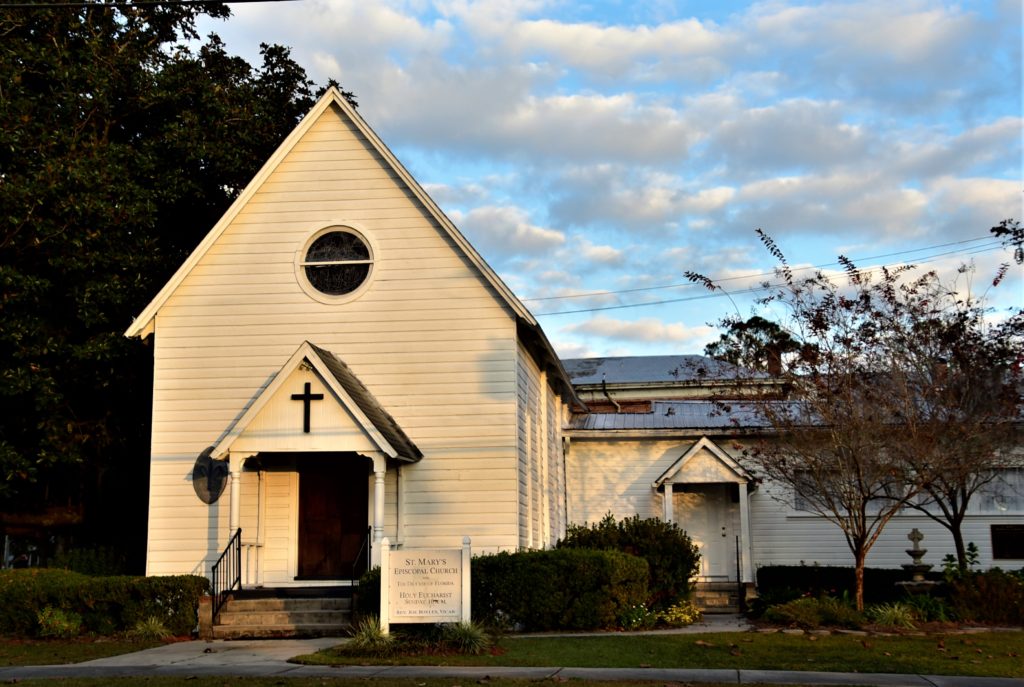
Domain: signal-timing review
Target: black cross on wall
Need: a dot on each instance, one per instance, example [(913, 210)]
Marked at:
[(306, 397)]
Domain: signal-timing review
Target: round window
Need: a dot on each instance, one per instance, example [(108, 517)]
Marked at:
[(337, 262)]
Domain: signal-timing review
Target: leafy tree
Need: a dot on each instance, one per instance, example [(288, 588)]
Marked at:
[(120, 147), (897, 388), (754, 343)]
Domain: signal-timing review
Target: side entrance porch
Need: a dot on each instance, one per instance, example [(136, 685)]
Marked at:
[(693, 483)]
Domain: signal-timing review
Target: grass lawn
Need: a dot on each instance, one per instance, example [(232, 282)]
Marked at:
[(996, 654), (37, 652)]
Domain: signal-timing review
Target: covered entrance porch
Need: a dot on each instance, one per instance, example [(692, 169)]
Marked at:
[(313, 478), (705, 492)]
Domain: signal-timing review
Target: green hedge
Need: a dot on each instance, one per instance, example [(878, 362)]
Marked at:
[(993, 596), (781, 583), (671, 555), (571, 589), (106, 604), (574, 589)]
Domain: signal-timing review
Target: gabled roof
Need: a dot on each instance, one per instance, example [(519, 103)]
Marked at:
[(716, 451), (144, 323), (368, 413)]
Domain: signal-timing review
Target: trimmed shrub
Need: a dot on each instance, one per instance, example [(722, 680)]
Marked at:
[(993, 596), (805, 613), (543, 590), (107, 605), (576, 589), (58, 624), (672, 557), (810, 613)]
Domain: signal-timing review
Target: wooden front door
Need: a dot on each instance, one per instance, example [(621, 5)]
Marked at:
[(333, 506)]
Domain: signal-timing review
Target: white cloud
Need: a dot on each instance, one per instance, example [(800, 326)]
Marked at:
[(793, 134), (631, 198), (648, 330), (573, 349), (603, 254), (587, 147), (501, 232), (456, 194)]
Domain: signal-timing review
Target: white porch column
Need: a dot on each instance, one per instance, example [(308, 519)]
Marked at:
[(380, 468), (747, 548), (666, 502), (235, 470)]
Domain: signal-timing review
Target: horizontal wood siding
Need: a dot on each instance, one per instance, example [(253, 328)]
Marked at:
[(428, 337), (784, 536), (615, 475), (541, 470)]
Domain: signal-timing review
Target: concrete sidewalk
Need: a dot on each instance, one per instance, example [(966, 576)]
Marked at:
[(270, 658)]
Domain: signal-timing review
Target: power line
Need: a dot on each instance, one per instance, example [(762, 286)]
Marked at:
[(760, 288), (752, 276)]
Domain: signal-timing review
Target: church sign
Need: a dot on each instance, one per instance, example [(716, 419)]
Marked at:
[(424, 585)]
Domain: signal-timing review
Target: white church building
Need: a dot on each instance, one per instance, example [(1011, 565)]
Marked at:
[(337, 347)]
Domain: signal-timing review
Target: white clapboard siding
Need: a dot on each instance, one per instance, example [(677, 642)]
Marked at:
[(610, 475), (615, 476), (541, 471), (784, 536), (428, 337)]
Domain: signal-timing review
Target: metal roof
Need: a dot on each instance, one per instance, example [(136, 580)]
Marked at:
[(651, 369), (675, 415)]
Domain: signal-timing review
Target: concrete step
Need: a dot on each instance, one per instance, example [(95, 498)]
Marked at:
[(282, 617), (717, 597), (280, 631), (289, 605)]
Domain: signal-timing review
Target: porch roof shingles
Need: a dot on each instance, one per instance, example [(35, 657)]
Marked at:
[(373, 410)]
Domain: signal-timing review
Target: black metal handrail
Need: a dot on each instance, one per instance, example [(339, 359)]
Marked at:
[(367, 545), (227, 572)]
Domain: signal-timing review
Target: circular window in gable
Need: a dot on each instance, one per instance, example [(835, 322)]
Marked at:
[(337, 262)]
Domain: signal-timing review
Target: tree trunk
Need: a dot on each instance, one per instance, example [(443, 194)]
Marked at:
[(958, 542), (858, 573)]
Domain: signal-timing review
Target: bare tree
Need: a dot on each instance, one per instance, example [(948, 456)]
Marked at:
[(897, 395), (956, 396)]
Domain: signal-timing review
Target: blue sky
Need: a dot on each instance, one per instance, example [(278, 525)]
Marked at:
[(590, 150)]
